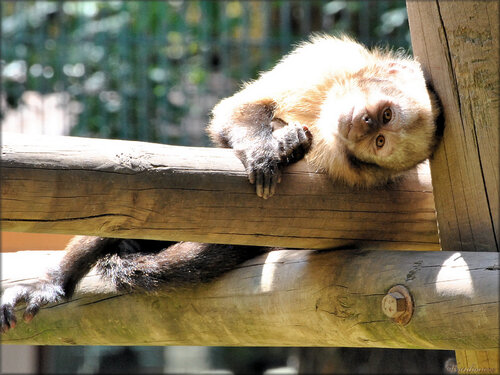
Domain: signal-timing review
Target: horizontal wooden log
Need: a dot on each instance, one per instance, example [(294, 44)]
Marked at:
[(130, 189), (286, 297)]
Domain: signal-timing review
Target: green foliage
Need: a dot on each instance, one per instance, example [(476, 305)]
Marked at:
[(151, 70)]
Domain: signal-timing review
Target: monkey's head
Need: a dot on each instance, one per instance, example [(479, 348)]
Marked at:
[(384, 115)]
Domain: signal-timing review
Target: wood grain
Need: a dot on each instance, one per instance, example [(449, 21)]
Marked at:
[(129, 189), (286, 297), (458, 45)]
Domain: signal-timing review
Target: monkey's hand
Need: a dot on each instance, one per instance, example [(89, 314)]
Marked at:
[(294, 141), (34, 295), (264, 159)]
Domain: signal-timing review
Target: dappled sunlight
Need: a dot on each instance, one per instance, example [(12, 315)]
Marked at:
[(423, 174), (454, 278), (293, 261), (269, 269)]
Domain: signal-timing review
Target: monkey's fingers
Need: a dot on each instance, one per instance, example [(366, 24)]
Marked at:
[(294, 141), (304, 137), (267, 189), (45, 293), (10, 298), (251, 177), (259, 184), (306, 142), (263, 185), (7, 318), (267, 179), (30, 312), (275, 180)]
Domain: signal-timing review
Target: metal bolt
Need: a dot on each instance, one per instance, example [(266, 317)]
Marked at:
[(394, 304), (397, 304)]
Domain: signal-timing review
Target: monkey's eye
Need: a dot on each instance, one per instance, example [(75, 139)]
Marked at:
[(386, 115), (380, 141)]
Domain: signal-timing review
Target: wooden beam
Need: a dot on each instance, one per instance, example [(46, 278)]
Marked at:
[(129, 189), (286, 297), (458, 45)]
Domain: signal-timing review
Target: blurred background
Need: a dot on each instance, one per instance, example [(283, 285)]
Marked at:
[(151, 71)]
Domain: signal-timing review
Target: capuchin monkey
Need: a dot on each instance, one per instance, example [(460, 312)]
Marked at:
[(363, 117)]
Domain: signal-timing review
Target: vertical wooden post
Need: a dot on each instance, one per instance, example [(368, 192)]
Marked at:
[(457, 43)]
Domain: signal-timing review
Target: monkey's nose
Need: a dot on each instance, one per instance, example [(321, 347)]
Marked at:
[(367, 120), (362, 124)]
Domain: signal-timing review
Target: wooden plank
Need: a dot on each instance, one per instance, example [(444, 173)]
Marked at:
[(477, 361), (129, 189), (286, 297), (458, 45)]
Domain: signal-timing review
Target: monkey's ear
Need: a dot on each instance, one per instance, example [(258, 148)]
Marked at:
[(402, 66)]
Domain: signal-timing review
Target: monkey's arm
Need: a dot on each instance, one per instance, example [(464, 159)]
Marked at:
[(250, 128)]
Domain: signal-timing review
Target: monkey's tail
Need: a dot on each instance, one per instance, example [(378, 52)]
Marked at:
[(129, 272), (180, 264)]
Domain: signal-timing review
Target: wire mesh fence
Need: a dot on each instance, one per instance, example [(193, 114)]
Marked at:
[(152, 70)]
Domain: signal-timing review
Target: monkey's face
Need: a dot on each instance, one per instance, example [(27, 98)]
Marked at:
[(387, 120)]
